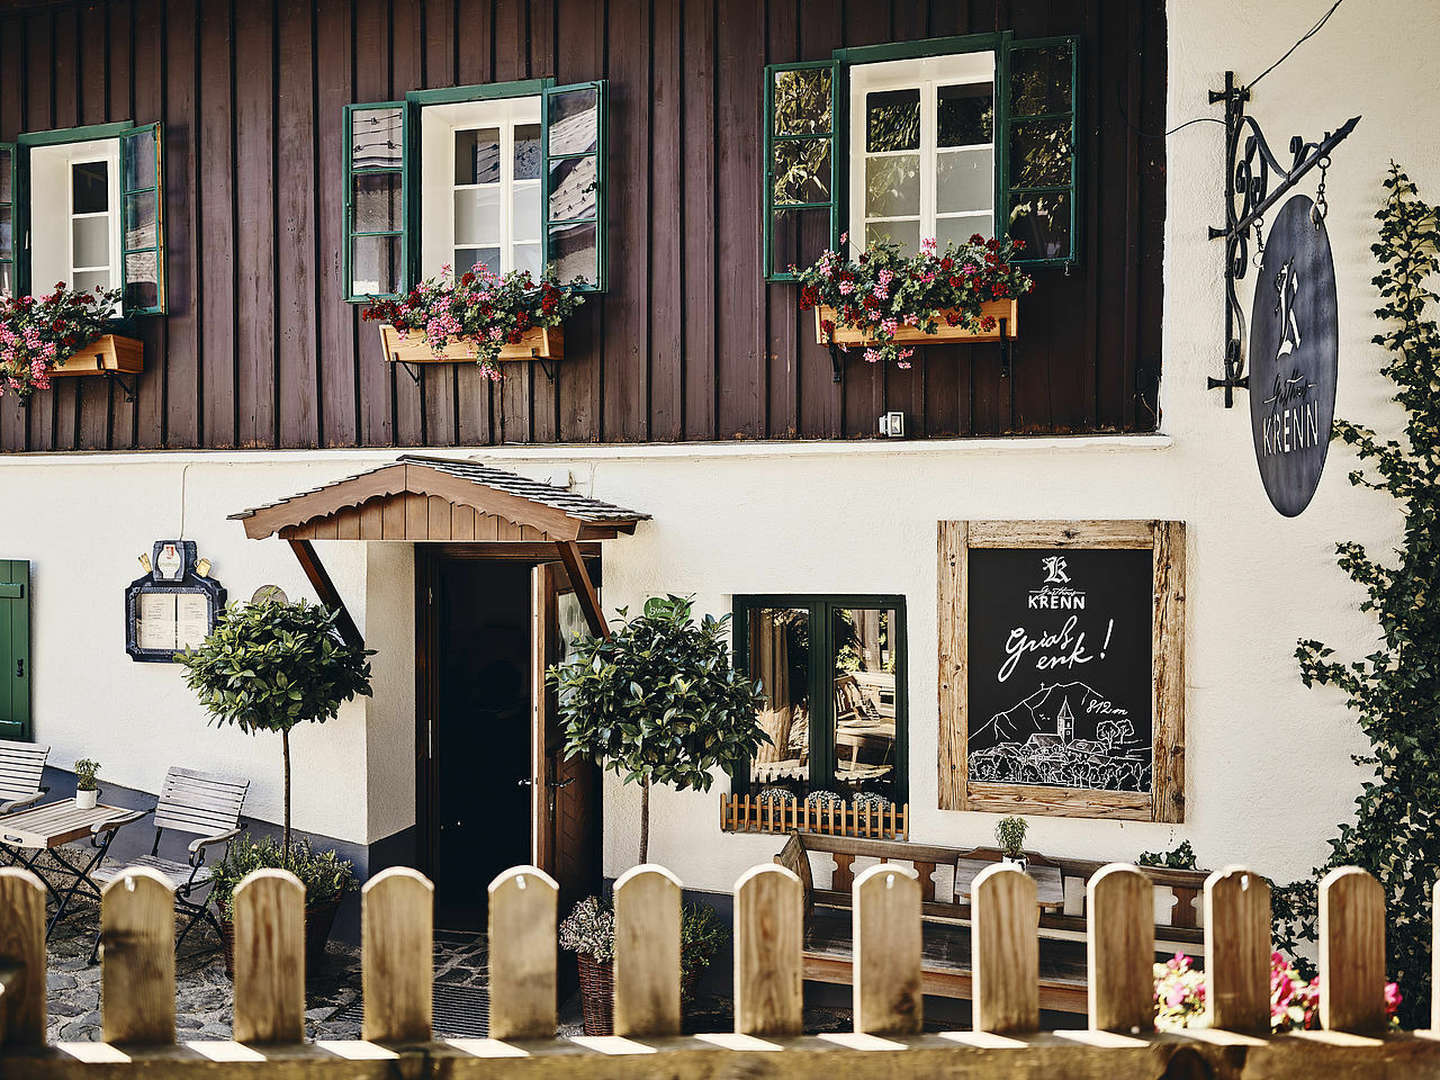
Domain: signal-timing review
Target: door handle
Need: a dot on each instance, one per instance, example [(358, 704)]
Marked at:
[(563, 783), (20, 667), (526, 782)]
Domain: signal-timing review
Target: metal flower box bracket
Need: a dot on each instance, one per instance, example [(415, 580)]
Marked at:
[(109, 355)]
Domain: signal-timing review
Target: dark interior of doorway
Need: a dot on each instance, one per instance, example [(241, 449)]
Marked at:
[(482, 733)]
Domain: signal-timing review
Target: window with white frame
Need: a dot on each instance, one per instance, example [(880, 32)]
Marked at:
[(922, 150)]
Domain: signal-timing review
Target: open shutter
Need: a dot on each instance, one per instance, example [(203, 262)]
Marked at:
[(14, 649), (1038, 168), (7, 218), (572, 170), (802, 164), (375, 201), (142, 220)]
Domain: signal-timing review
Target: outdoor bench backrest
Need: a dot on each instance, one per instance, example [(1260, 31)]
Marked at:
[(21, 766), (205, 804)]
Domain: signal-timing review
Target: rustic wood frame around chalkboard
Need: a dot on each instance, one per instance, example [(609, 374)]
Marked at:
[(1166, 799)]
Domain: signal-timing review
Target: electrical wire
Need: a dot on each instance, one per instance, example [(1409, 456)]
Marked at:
[(1304, 38)]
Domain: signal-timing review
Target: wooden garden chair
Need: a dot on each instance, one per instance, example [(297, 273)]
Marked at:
[(206, 805), (22, 765)]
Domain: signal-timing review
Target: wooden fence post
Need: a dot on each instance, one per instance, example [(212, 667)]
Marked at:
[(270, 958), (1237, 950), (522, 945), (647, 952), (1004, 938), (397, 958), (1120, 948), (886, 899), (1352, 952), (22, 958), (137, 942), (769, 941)]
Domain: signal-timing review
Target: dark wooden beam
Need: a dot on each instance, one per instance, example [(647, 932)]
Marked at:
[(326, 591), (584, 588)]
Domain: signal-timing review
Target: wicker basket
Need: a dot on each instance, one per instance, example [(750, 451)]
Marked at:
[(597, 994)]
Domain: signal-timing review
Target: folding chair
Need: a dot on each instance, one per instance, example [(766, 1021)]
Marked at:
[(22, 764)]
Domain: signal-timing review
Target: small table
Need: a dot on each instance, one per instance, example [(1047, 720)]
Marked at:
[(46, 828), (1049, 882)]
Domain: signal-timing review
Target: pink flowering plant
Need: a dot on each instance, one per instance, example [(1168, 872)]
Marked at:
[(883, 289), (1294, 1002), (38, 334), (481, 310)]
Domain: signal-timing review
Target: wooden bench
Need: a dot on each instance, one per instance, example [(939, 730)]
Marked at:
[(945, 965)]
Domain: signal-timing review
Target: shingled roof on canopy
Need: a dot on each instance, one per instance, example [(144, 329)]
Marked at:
[(427, 498)]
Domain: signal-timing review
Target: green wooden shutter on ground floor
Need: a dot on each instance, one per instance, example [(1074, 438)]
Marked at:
[(14, 649)]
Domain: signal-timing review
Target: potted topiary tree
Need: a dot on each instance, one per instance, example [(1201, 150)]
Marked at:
[(87, 791), (269, 666), (658, 702), (1010, 835)]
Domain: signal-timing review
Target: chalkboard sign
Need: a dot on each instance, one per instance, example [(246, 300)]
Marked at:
[(1062, 668)]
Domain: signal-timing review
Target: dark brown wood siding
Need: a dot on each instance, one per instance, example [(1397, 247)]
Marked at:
[(690, 343)]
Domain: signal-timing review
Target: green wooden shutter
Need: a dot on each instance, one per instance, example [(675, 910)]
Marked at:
[(375, 257), (14, 649), (1037, 135), (574, 124), (802, 160), (142, 220), (9, 237)]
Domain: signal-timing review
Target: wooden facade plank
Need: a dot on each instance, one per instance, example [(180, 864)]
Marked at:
[(216, 219), (179, 424), (376, 379), (137, 92), (256, 329), (437, 384), (337, 350), (14, 418)]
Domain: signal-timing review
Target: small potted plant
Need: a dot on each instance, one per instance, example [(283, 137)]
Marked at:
[(1010, 835), (87, 791)]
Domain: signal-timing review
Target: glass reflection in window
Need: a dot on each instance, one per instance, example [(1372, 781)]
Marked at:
[(779, 658), (863, 682)]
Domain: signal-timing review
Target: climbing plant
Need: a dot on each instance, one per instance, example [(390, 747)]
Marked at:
[(1395, 690)]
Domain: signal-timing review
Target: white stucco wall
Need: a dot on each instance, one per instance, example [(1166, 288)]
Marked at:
[(1267, 762)]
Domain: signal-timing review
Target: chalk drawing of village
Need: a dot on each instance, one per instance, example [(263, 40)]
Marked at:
[(1063, 735)]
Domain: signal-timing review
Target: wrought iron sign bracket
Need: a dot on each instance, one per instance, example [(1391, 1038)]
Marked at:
[(1249, 163)]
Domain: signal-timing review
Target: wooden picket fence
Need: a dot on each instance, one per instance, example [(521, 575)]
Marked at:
[(138, 987), (746, 813)]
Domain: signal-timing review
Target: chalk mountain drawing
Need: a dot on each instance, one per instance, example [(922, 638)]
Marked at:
[(1063, 735)]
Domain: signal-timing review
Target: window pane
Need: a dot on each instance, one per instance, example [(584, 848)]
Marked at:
[(92, 242), (1040, 154), (802, 171), (892, 120), (7, 232), (477, 215), (377, 202), (142, 279), (573, 185), (527, 151), (376, 138), (574, 122), (527, 257), (964, 180), (7, 277), (1043, 222), (87, 280), (802, 102), (469, 258), (959, 229), (525, 225), (142, 220), (892, 186), (375, 265), (477, 156), (904, 233), (779, 658), (863, 680), (1040, 80), (572, 250), (90, 187), (797, 238), (140, 160), (6, 169), (966, 115)]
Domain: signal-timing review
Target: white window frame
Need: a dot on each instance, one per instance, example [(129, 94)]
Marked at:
[(926, 74), (438, 125), (51, 220)]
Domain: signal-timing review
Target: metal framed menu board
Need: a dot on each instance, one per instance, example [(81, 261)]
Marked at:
[(172, 608), (1062, 668)]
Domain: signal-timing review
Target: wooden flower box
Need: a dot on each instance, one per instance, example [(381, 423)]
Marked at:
[(1005, 310), (748, 813), (110, 353), (538, 343)]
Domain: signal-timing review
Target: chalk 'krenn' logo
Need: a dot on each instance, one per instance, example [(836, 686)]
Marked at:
[(1055, 570), (1055, 591)]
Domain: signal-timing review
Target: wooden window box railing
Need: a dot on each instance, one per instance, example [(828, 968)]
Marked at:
[(1005, 313), (109, 353), (537, 343), (748, 813)]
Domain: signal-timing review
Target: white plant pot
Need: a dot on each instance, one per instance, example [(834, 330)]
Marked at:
[(1020, 862), (86, 800)]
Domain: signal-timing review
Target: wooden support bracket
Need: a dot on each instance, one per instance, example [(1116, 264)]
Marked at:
[(325, 589), (584, 588)]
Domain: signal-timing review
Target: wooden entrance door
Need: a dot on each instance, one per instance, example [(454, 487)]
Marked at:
[(565, 795)]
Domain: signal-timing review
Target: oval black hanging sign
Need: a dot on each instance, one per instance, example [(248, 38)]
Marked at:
[(1294, 356)]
